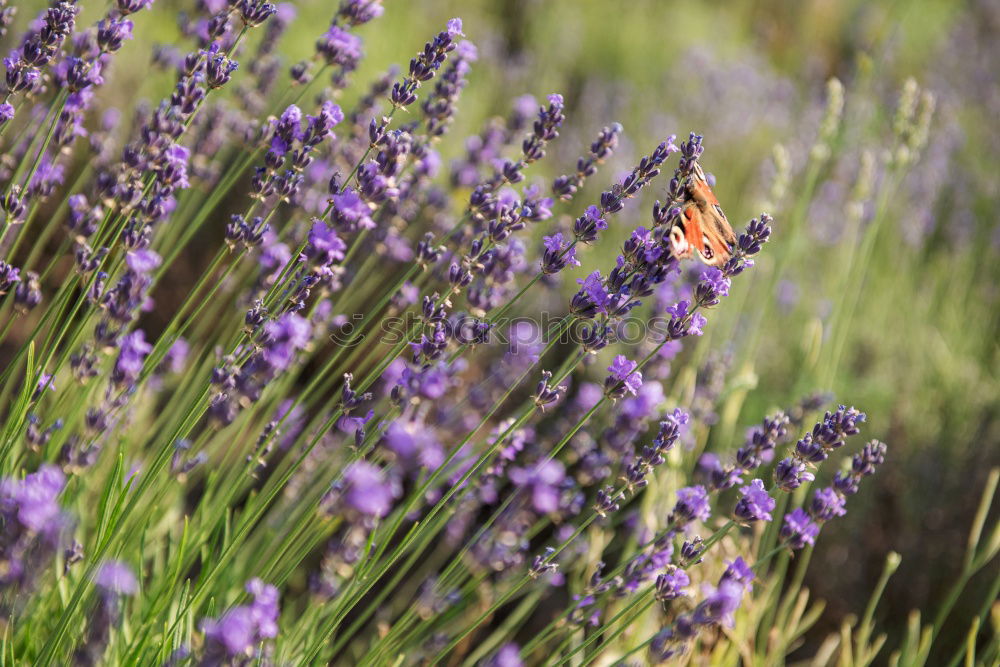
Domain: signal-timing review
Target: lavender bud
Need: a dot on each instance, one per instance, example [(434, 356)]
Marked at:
[(607, 501), (28, 293)]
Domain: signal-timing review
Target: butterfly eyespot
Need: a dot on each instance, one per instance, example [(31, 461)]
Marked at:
[(707, 252), (679, 243)]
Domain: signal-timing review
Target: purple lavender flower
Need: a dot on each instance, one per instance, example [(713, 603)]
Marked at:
[(439, 107), (692, 505), (712, 285), (142, 261), (607, 501), (219, 70), (592, 297), (718, 606), (829, 434), (717, 476), (255, 12), (624, 378), (565, 187), (587, 226), (116, 578), (126, 7), (543, 481), (350, 212), (791, 473), (340, 47), (27, 292), (558, 255), (863, 464), (799, 529), (285, 336), (367, 491), (241, 628), (740, 572), (667, 644), (684, 322), (131, 355), (761, 441), (670, 585), (425, 64), (826, 504), (755, 504), (325, 246), (359, 12), (415, 444), (34, 526), (9, 276), (33, 500), (508, 655), (541, 565), (44, 382), (112, 33), (547, 393), (177, 356), (234, 632)]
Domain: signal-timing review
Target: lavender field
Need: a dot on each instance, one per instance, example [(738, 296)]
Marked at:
[(532, 332)]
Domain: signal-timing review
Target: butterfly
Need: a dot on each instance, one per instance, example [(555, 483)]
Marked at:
[(702, 227)]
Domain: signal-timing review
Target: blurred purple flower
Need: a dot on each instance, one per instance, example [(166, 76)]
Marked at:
[(116, 578), (799, 529), (367, 490), (543, 480)]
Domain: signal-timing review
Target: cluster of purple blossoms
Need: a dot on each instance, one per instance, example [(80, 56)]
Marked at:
[(439, 107), (546, 393), (558, 254), (543, 481), (801, 526), (340, 49), (115, 581), (9, 277), (239, 383), (586, 611), (670, 584), (564, 187), (425, 64), (24, 66), (653, 455), (359, 12), (587, 226), (755, 502), (816, 446), (487, 207), (133, 349), (716, 608), (692, 505), (291, 149), (34, 525), (78, 73), (667, 212), (120, 306), (623, 378), (242, 629), (483, 150)]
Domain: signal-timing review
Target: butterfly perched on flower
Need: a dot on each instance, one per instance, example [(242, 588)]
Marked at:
[(702, 227)]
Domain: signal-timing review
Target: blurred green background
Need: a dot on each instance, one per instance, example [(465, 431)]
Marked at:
[(883, 281)]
